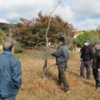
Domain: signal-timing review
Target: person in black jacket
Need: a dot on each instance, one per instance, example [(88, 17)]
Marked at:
[(86, 56), (96, 64), (62, 55)]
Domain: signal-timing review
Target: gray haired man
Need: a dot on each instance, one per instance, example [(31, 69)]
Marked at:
[(10, 73)]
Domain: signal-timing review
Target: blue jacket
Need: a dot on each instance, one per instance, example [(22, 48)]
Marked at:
[(10, 75)]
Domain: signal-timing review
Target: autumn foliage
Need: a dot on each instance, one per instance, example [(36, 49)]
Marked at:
[(32, 32)]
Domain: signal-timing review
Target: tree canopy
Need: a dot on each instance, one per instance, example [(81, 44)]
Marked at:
[(91, 35), (32, 32)]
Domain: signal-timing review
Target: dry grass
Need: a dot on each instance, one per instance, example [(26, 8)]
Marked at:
[(35, 86)]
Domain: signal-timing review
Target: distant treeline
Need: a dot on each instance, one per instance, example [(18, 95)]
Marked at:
[(6, 26)]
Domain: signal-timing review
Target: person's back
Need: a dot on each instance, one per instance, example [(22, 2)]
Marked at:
[(10, 76)]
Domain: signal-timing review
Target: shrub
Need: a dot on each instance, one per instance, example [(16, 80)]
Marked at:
[(2, 36), (18, 48)]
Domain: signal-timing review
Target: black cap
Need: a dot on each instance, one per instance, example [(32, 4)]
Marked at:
[(62, 39)]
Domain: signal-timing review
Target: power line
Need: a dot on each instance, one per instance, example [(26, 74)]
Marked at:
[(67, 3)]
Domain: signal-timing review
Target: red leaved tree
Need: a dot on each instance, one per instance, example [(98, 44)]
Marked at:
[(42, 30), (32, 32)]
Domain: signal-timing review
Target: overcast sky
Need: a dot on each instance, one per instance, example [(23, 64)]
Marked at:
[(83, 14)]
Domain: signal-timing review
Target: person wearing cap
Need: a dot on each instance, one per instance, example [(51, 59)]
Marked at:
[(62, 55), (86, 56), (96, 64), (10, 73)]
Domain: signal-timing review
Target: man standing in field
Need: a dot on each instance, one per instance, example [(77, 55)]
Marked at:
[(86, 56), (62, 55), (96, 65), (10, 73)]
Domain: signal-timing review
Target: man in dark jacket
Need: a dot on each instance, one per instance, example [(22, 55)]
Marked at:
[(62, 55), (96, 65), (10, 73), (86, 56)]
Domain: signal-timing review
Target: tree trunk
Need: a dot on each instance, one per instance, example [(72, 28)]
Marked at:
[(45, 67), (10, 33), (47, 48)]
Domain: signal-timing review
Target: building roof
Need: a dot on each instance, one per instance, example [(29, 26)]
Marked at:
[(77, 32)]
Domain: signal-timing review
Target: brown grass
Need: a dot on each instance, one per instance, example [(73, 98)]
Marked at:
[(35, 86)]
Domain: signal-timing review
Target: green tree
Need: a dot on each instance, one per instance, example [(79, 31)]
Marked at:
[(91, 35), (2, 35)]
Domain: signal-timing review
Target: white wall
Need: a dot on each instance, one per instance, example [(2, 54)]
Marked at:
[(1, 47)]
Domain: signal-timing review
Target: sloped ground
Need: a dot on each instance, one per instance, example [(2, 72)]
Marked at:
[(35, 86)]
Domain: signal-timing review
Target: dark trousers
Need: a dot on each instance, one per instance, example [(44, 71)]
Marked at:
[(65, 67), (62, 77), (86, 64), (96, 76)]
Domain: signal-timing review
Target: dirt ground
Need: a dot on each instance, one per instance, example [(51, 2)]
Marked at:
[(35, 86)]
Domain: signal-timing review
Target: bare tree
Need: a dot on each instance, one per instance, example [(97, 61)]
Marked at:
[(47, 48), (98, 29), (45, 57), (10, 31), (11, 25), (95, 36)]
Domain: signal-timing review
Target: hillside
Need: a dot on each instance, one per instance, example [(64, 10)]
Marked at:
[(6, 26)]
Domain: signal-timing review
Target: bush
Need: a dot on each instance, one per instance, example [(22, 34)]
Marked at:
[(2, 35), (71, 47), (18, 48)]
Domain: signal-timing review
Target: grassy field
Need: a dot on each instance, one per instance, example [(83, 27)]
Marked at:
[(35, 86)]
